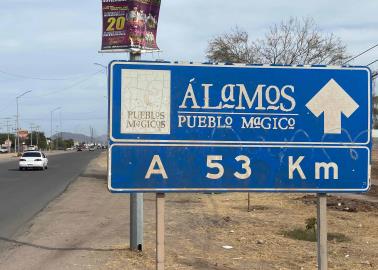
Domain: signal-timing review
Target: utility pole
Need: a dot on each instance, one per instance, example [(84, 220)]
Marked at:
[(8, 131), (136, 202), (91, 133), (51, 125), (17, 121), (60, 129), (31, 134), (37, 135), (15, 135), (17, 144), (58, 143)]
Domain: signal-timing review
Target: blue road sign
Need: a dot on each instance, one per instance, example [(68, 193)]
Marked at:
[(187, 128), (188, 168), (231, 104)]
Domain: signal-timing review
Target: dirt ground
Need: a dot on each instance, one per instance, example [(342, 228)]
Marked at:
[(87, 228)]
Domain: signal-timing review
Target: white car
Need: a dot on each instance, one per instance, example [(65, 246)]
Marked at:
[(33, 160), (32, 148)]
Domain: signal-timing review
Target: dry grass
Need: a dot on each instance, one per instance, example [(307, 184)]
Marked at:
[(198, 225)]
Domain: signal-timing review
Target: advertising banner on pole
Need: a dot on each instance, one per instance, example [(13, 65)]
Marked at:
[(23, 134), (130, 24)]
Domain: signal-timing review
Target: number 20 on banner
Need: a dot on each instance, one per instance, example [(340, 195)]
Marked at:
[(116, 24)]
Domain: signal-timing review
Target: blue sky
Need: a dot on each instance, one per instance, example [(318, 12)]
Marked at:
[(49, 47)]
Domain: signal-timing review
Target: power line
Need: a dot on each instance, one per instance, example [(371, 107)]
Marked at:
[(37, 78), (372, 62), (68, 118), (358, 55), (70, 86), (6, 107), (59, 90), (64, 119)]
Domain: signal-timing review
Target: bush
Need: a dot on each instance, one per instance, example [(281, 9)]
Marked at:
[(309, 233)]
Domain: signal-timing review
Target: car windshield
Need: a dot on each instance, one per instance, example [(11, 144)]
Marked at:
[(31, 154)]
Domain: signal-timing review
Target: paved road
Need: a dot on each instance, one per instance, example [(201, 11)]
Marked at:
[(25, 193)]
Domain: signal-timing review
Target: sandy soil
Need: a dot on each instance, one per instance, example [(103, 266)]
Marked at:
[(87, 228), (199, 225)]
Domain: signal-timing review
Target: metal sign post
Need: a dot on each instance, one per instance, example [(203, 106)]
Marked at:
[(136, 203), (160, 227), (136, 221), (322, 231)]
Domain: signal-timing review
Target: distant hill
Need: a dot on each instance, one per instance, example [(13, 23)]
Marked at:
[(102, 138), (80, 137)]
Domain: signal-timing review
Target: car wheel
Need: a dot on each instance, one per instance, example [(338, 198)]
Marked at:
[(21, 169)]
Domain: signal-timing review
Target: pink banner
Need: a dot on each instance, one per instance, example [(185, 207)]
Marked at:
[(130, 24)]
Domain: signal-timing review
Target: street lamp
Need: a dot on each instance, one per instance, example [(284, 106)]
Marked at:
[(17, 128), (37, 135), (31, 133), (103, 66), (51, 124), (106, 97), (8, 130)]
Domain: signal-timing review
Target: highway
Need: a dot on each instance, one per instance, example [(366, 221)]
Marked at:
[(24, 193)]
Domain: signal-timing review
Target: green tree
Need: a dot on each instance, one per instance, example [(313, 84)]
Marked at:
[(59, 143), (4, 137), (37, 136)]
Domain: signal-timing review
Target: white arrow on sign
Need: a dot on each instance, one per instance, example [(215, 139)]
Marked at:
[(332, 100)]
